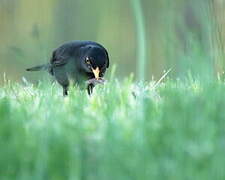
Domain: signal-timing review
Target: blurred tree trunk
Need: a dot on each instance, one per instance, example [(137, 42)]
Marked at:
[(8, 10), (218, 8), (73, 21), (66, 19)]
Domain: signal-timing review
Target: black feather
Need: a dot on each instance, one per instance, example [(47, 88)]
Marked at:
[(68, 62)]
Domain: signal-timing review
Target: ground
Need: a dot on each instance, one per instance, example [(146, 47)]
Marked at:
[(125, 130)]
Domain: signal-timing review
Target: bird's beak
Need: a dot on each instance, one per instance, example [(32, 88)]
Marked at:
[(96, 72)]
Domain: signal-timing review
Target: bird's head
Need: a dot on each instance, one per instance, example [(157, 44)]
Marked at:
[(95, 60)]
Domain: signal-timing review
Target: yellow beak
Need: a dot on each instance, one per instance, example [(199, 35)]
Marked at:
[(96, 72)]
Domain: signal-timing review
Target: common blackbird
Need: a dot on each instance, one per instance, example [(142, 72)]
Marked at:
[(77, 62)]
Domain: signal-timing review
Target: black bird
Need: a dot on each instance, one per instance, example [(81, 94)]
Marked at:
[(78, 61)]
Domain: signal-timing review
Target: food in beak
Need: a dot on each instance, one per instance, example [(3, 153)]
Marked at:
[(96, 72)]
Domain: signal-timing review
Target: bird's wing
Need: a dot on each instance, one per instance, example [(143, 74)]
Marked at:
[(62, 54), (60, 57), (60, 61)]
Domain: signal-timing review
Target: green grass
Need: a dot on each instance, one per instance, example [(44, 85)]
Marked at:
[(174, 131)]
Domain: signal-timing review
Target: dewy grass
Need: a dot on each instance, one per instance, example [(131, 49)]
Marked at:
[(46, 136)]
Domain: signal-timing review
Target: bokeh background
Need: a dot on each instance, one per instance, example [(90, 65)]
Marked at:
[(187, 36)]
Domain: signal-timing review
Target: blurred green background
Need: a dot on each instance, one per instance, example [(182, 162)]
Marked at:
[(186, 36)]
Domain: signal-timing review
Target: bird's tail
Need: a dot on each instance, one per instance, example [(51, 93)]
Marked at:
[(43, 67)]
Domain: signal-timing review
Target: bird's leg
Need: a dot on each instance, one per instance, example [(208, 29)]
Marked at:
[(90, 89), (62, 78), (65, 90)]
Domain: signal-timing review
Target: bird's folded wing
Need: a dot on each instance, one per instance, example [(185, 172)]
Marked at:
[(59, 61)]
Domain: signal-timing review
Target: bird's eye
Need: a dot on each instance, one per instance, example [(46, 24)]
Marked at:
[(87, 61)]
